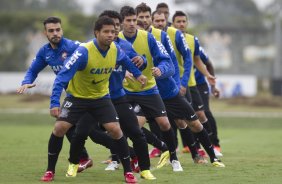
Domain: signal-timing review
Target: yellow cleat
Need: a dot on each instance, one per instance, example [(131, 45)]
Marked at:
[(147, 175), (163, 160), (72, 170), (217, 163)]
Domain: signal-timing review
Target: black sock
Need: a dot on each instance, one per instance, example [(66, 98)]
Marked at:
[(141, 151), (69, 135), (132, 153), (115, 158), (168, 137), (207, 126), (212, 122), (190, 140), (174, 128), (100, 137), (153, 140), (155, 129), (197, 145), (54, 147), (123, 153), (205, 141), (76, 148)]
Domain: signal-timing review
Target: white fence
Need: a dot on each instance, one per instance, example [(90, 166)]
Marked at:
[(229, 85)]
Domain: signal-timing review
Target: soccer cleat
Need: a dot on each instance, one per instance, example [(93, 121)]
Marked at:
[(200, 160), (202, 153), (48, 176), (217, 152), (176, 166), (130, 178), (186, 149), (147, 175), (217, 148), (112, 166), (72, 170), (217, 163), (134, 165), (163, 160), (84, 164), (155, 152)]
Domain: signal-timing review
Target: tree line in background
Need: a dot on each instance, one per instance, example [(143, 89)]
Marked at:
[(20, 18)]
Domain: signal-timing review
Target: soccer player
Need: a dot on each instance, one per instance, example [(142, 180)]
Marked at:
[(87, 72), (144, 13), (180, 22), (203, 88), (159, 65), (181, 50), (53, 54), (127, 118), (163, 8), (159, 22)]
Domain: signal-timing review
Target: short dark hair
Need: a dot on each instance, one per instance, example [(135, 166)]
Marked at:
[(53, 20), (101, 21), (156, 12), (111, 14), (143, 7), (178, 13), (161, 5), (127, 11)]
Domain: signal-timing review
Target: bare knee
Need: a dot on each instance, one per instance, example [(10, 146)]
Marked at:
[(141, 121), (182, 124), (163, 123), (195, 126), (114, 130), (61, 128), (202, 116)]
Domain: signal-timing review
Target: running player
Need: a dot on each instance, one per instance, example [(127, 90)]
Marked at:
[(53, 54), (159, 65), (87, 74)]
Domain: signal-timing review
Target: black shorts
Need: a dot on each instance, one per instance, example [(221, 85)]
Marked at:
[(102, 110), (152, 105), (197, 102), (205, 95), (137, 109), (179, 108)]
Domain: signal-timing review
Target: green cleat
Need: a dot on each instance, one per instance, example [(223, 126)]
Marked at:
[(217, 163), (72, 170), (163, 160), (147, 175)]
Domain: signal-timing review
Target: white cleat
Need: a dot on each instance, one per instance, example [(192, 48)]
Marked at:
[(112, 166), (176, 166), (217, 153)]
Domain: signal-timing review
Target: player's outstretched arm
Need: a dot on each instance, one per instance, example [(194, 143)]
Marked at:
[(24, 87)]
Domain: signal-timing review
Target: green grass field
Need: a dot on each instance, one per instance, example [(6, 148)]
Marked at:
[(252, 151)]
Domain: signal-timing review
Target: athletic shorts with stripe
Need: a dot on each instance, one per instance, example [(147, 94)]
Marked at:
[(179, 108), (152, 105)]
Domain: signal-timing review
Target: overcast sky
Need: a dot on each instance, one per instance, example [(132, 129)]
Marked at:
[(88, 4)]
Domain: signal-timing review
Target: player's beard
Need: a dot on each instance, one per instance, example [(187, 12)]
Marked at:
[(55, 40)]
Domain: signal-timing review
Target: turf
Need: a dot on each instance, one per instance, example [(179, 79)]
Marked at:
[(251, 147)]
